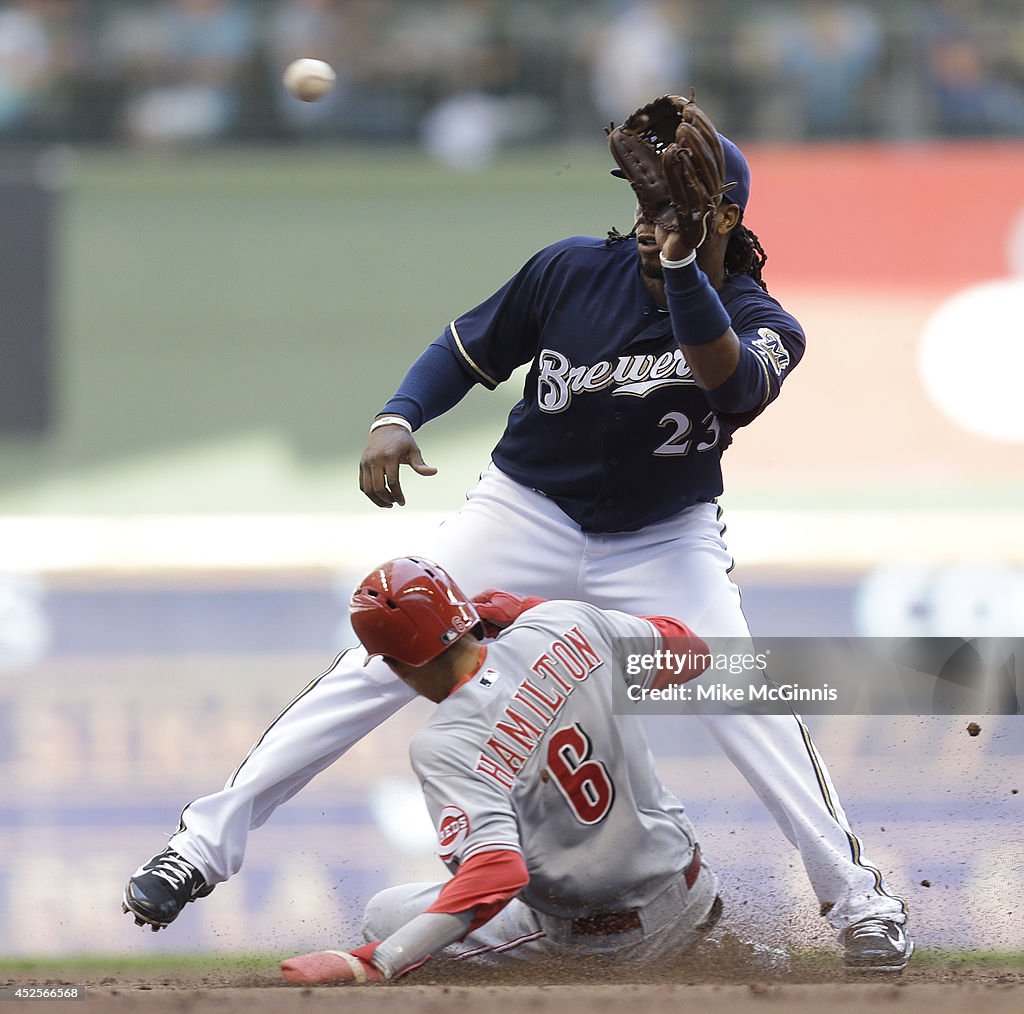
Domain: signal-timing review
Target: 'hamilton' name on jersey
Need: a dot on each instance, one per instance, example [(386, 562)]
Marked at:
[(567, 662), (558, 380)]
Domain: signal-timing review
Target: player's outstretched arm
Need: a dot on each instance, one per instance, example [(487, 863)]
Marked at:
[(388, 448), (672, 155), (482, 887), (713, 350)]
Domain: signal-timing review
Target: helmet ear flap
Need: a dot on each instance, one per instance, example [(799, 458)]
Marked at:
[(411, 610)]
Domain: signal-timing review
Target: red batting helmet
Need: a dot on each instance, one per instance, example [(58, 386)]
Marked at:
[(411, 610)]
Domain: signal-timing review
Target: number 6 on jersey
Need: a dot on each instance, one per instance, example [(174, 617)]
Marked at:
[(583, 782)]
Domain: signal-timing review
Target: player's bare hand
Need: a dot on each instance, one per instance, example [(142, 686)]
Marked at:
[(672, 244), (387, 449)]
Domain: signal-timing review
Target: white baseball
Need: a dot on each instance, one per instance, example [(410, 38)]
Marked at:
[(309, 80)]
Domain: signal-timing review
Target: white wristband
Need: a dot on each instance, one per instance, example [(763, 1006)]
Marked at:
[(391, 420), (666, 263)]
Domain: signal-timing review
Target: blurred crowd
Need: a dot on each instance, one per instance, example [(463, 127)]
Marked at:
[(472, 75)]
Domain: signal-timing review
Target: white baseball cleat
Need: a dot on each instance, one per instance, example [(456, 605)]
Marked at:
[(876, 945)]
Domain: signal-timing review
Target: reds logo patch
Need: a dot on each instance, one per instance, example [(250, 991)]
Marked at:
[(452, 831)]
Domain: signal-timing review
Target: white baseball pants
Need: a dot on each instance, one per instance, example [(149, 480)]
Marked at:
[(507, 536)]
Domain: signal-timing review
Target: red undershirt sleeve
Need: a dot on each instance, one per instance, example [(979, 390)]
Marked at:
[(485, 884), (482, 887), (680, 639)]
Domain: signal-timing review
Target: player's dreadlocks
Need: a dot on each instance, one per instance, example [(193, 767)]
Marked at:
[(614, 236), (744, 254)]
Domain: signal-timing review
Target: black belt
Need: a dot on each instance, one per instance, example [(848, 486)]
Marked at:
[(606, 924)]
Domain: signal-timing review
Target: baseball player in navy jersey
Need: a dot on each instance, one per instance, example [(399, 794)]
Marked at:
[(647, 357), (536, 789)]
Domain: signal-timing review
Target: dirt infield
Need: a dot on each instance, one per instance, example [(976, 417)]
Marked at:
[(933, 986), (920, 998)]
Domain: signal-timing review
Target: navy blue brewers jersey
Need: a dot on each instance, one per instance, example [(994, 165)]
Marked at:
[(612, 425)]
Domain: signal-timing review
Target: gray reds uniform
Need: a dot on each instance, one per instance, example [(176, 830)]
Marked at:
[(528, 756)]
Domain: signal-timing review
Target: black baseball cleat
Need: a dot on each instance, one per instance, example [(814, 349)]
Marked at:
[(158, 890), (876, 945)]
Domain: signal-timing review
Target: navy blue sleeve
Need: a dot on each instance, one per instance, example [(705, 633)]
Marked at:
[(483, 346), (771, 344), (435, 383), (503, 332)]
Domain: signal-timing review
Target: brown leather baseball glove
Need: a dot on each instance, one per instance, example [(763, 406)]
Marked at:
[(670, 152), (637, 147)]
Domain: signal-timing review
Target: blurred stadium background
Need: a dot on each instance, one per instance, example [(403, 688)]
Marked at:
[(208, 288)]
